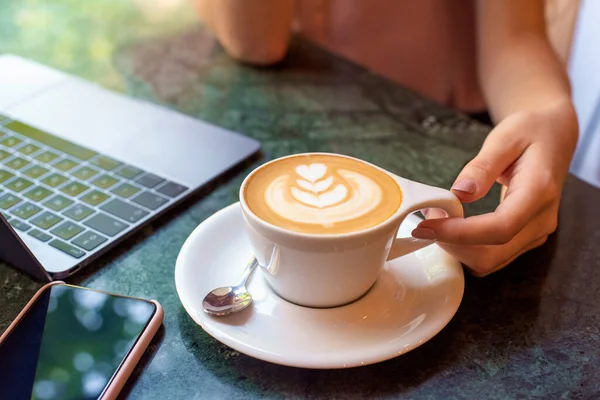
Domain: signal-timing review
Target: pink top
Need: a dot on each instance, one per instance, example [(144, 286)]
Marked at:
[(426, 45)]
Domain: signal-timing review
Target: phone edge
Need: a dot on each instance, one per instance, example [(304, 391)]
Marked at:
[(115, 386), (26, 308)]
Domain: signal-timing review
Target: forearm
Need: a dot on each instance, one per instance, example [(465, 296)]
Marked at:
[(254, 31), (518, 68)]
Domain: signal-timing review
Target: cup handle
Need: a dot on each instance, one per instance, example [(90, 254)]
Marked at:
[(418, 196)]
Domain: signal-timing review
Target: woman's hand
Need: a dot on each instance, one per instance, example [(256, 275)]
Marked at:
[(529, 153)]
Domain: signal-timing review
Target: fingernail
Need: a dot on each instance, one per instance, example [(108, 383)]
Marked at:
[(424, 233), (465, 185)]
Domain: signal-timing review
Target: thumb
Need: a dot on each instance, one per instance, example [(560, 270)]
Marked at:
[(497, 154)]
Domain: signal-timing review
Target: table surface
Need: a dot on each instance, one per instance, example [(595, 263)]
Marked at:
[(531, 330)]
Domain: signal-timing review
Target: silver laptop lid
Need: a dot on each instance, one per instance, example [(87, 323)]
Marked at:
[(155, 139)]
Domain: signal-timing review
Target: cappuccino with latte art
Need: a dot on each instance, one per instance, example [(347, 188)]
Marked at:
[(322, 194)]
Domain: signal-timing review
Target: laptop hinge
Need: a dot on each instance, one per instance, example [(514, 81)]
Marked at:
[(16, 253)]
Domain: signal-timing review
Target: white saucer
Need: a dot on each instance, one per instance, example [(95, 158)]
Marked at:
[(415, 297)]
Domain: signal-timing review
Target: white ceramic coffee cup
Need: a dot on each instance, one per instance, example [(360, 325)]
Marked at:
[(328, 270)]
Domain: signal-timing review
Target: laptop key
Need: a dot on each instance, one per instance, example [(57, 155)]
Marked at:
[(104, 181), (35, 171), (149, 180), (55, 142), (6, 216), (46, 220), (38, 193), (10, 141), (74, 188), (67, 230), (85, 173), (17, 163), (19, 184), (5, 175), (4, 154), (149, 200), (65, 165), (78, 212), (105, 224), (22, 226), (129, 172), (172, 189), (26, 210), (39, 235), (28, 149), (106, 163), (94, 197), (8, 200), (125, 190), (124, 210), (46, 157), (54, 180), (89, 240), (67, 248), (58, 202)]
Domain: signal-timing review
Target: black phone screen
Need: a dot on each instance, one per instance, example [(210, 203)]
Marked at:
[(70, 343)]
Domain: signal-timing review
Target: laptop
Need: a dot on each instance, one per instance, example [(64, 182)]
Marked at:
[(81, 167)]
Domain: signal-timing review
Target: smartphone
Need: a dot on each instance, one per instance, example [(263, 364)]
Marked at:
[(70, 342)]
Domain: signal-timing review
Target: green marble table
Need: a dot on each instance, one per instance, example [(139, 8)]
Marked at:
[(529, 331)]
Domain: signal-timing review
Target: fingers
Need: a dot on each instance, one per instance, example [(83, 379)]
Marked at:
[(484, 260), (481, 270), (498, 153), (498, 227), (527, 196)]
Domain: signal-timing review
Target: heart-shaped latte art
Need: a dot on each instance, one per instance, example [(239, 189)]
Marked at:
[(312, 172), (321, 200), (316, 187), (320, 193)]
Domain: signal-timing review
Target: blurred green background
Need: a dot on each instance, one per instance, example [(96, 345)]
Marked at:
[(49, 31)]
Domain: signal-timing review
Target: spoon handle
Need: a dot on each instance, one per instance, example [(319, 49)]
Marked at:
[(248, 271)]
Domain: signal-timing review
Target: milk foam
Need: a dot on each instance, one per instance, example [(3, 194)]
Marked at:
[(322, 194), (318, 194)]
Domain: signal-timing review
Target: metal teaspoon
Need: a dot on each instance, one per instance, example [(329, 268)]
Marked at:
[(230, 299)]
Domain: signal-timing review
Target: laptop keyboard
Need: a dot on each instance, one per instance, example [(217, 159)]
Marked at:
[(69, 197)]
